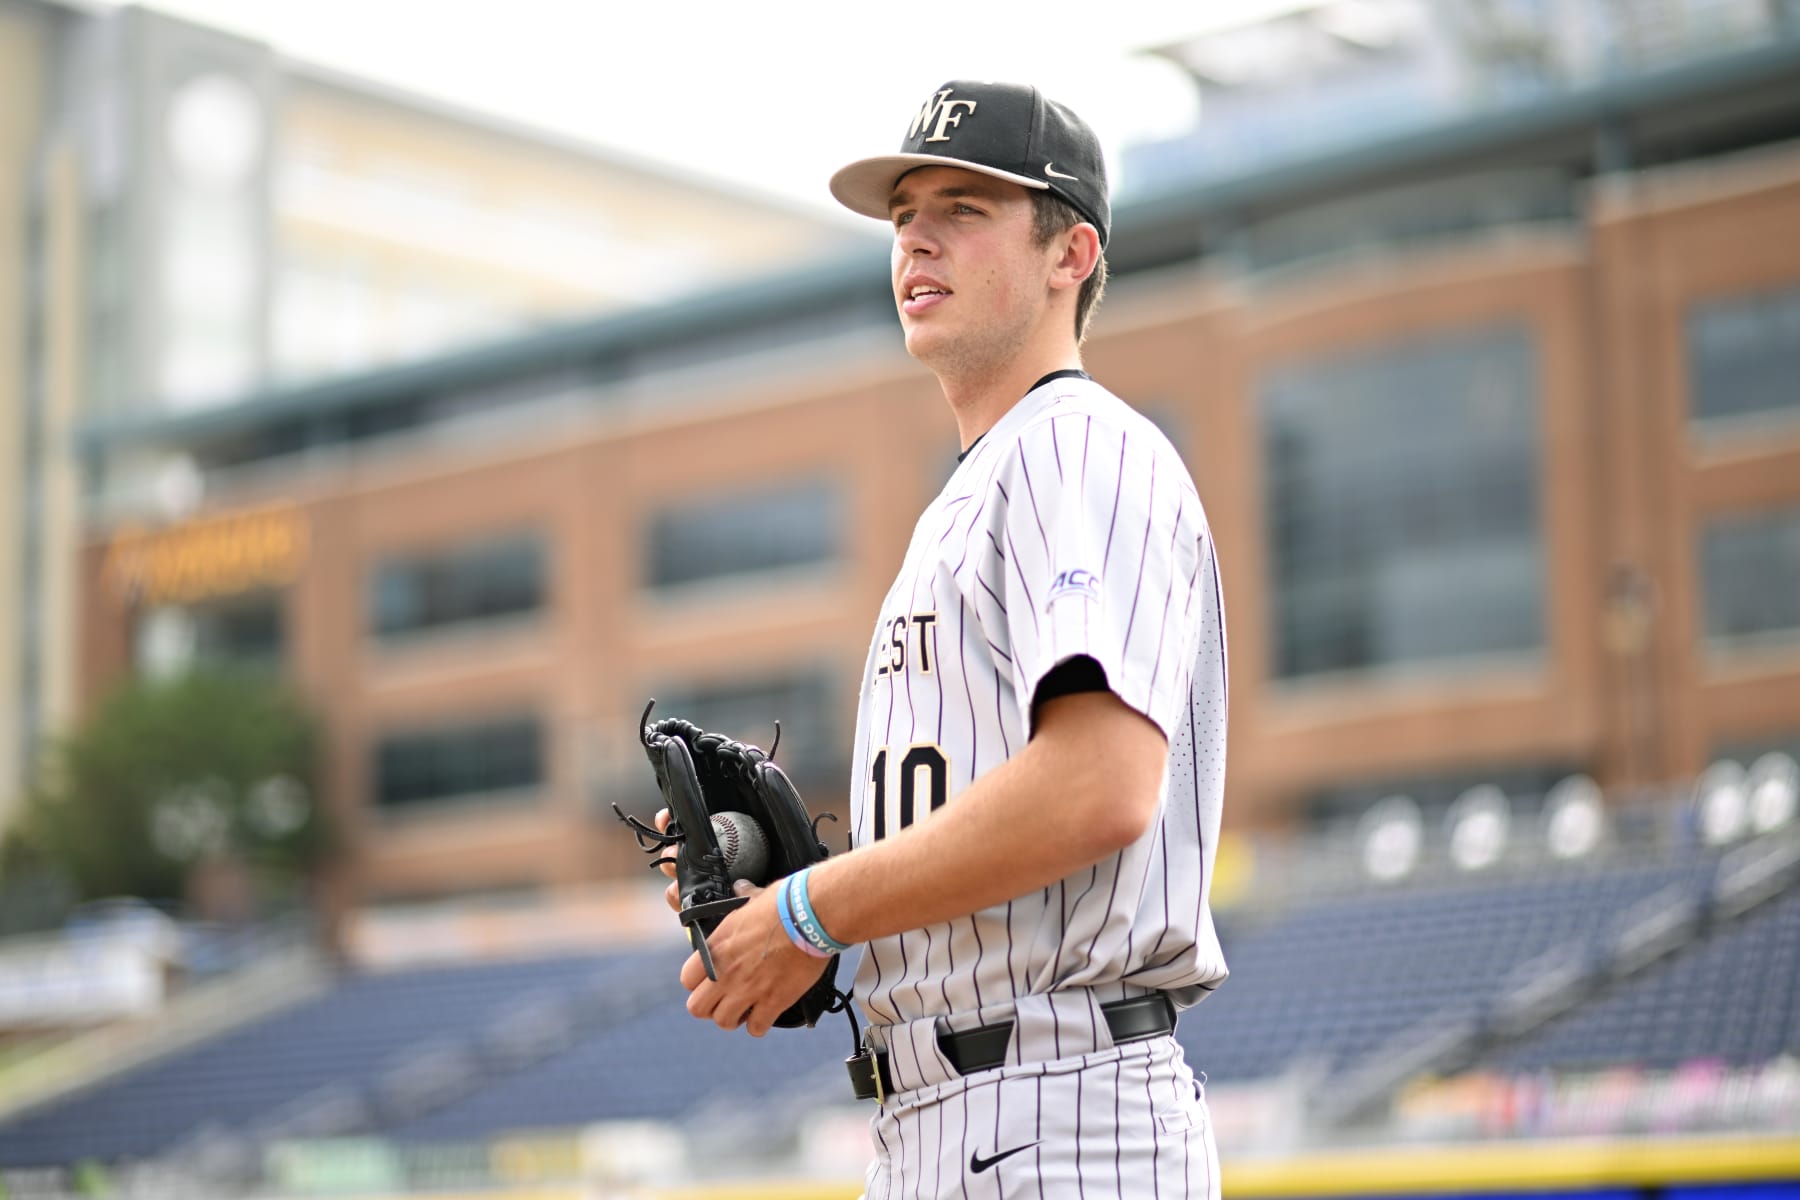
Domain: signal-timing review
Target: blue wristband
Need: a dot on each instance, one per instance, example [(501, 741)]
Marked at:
[(806, 921), (787, 922)]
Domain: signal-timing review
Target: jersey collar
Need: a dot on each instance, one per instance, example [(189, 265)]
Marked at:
[(1065, 373)]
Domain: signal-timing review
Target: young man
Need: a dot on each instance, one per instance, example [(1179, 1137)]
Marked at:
[(1040, 745)]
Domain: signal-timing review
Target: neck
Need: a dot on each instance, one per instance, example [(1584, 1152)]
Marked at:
[(979, 395)]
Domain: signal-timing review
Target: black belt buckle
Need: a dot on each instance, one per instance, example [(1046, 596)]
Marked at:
[(867, 1072), (984, 1047)]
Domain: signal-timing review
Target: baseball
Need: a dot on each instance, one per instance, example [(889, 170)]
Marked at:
[(744, 844)]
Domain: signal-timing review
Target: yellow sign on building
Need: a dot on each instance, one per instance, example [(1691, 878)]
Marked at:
[(208, 557)]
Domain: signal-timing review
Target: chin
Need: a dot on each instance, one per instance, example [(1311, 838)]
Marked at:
[(919, 342), (924, 342)]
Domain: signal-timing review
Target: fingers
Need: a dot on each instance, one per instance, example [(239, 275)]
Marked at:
[(667, 862), (729, 1013), (711, 1002), (672, 894), (760, 973), (703, 998), (693, 974)]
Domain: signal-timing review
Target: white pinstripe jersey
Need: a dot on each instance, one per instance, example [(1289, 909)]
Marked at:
[(1072, 528)]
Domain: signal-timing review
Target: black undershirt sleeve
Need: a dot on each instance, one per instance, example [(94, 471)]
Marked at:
[(1066, 678)]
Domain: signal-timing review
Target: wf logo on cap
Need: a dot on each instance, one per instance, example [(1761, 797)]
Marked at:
[(941, 110), (1007, 130)]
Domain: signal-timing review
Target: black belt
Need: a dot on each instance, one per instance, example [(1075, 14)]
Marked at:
[(984, 1047)]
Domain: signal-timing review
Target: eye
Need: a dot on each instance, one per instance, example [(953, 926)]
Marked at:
[(902, 218), (965, 208)]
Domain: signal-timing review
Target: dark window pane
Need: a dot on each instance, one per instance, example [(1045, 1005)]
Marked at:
[(1750, 567), (469, 758), (242, 629), (747, 708), (1401, 506), (764, 529), (248, 630), (1744, 354), (496, 577)]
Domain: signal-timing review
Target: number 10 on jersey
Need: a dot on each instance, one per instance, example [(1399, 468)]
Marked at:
[(920, 758)]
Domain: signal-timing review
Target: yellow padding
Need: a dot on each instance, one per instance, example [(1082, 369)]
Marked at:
[(766, 1190), (1514, 1166)]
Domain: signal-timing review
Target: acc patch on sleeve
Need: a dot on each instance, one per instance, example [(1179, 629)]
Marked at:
[(1076, 582)]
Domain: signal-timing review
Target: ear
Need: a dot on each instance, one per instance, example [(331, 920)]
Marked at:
[(1080, 254)]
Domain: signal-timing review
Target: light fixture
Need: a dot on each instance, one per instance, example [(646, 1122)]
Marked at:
[(1392, 833), (1772, 785), (1722, 802), (1479, 822), (1574, 820)]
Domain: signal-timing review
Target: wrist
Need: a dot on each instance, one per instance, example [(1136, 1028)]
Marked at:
[(801, 920), (784, 909)]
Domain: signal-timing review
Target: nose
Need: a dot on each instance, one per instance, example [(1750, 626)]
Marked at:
[(916, 237)]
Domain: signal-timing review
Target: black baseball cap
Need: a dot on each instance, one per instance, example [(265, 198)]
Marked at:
[(1006, 130)]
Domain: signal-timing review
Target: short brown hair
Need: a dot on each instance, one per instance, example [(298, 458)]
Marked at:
[(1051, 215)]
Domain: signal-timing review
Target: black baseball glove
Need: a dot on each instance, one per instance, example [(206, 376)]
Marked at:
[(702, 775)]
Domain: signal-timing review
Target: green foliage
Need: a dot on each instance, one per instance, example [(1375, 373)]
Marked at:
[(166, 772)]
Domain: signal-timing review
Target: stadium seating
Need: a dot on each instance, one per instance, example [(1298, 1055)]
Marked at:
[(1329, 983), (1733, 997), (660, 1065), (466, 1053), (345, 1043)]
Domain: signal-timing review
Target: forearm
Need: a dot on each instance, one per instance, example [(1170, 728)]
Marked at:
[(1056, 807)]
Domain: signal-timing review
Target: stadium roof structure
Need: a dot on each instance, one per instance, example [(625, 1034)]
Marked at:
[(1696, 110)]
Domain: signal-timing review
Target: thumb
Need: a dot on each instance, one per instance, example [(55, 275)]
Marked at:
[(744, 887)]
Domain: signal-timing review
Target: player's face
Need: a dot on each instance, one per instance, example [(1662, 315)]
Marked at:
[(970, 282)]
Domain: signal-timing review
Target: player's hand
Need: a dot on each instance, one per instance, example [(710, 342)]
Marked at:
[(667, 862), (760, 971)]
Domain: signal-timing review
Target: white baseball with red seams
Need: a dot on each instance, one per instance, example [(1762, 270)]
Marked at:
[(744, 845)]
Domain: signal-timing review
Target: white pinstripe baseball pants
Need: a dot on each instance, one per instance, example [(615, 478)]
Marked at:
[(1120, 1121)]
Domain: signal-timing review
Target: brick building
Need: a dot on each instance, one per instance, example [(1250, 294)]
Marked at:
[(1496, 423)]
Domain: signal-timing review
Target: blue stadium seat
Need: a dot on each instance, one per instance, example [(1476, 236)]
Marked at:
[(1733, 996), (348, 1038), (1332, 982), (1323, 987), (661, 1065)]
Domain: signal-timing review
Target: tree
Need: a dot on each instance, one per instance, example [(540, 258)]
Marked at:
[(167, 774)]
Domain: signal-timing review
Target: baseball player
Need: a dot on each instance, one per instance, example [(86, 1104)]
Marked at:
[(1040, 745)]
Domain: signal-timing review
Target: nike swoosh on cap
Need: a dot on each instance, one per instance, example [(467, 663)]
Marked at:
[(1050, 170)]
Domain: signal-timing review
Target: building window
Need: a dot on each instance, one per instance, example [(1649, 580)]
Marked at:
[(246, 630), (1402, 503), (1744, 355), (1750, 572), (768, 528), (496, 577), (747, 707), (460, 761)]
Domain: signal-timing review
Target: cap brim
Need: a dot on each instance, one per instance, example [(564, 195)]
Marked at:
[(866, 185)]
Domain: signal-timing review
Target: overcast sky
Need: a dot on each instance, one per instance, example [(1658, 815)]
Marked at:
[(774, 95)]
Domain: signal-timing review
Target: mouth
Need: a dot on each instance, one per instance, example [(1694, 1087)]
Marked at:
[(921, 297)]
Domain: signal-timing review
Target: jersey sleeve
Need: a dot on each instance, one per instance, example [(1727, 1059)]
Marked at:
[(1099, 533)]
